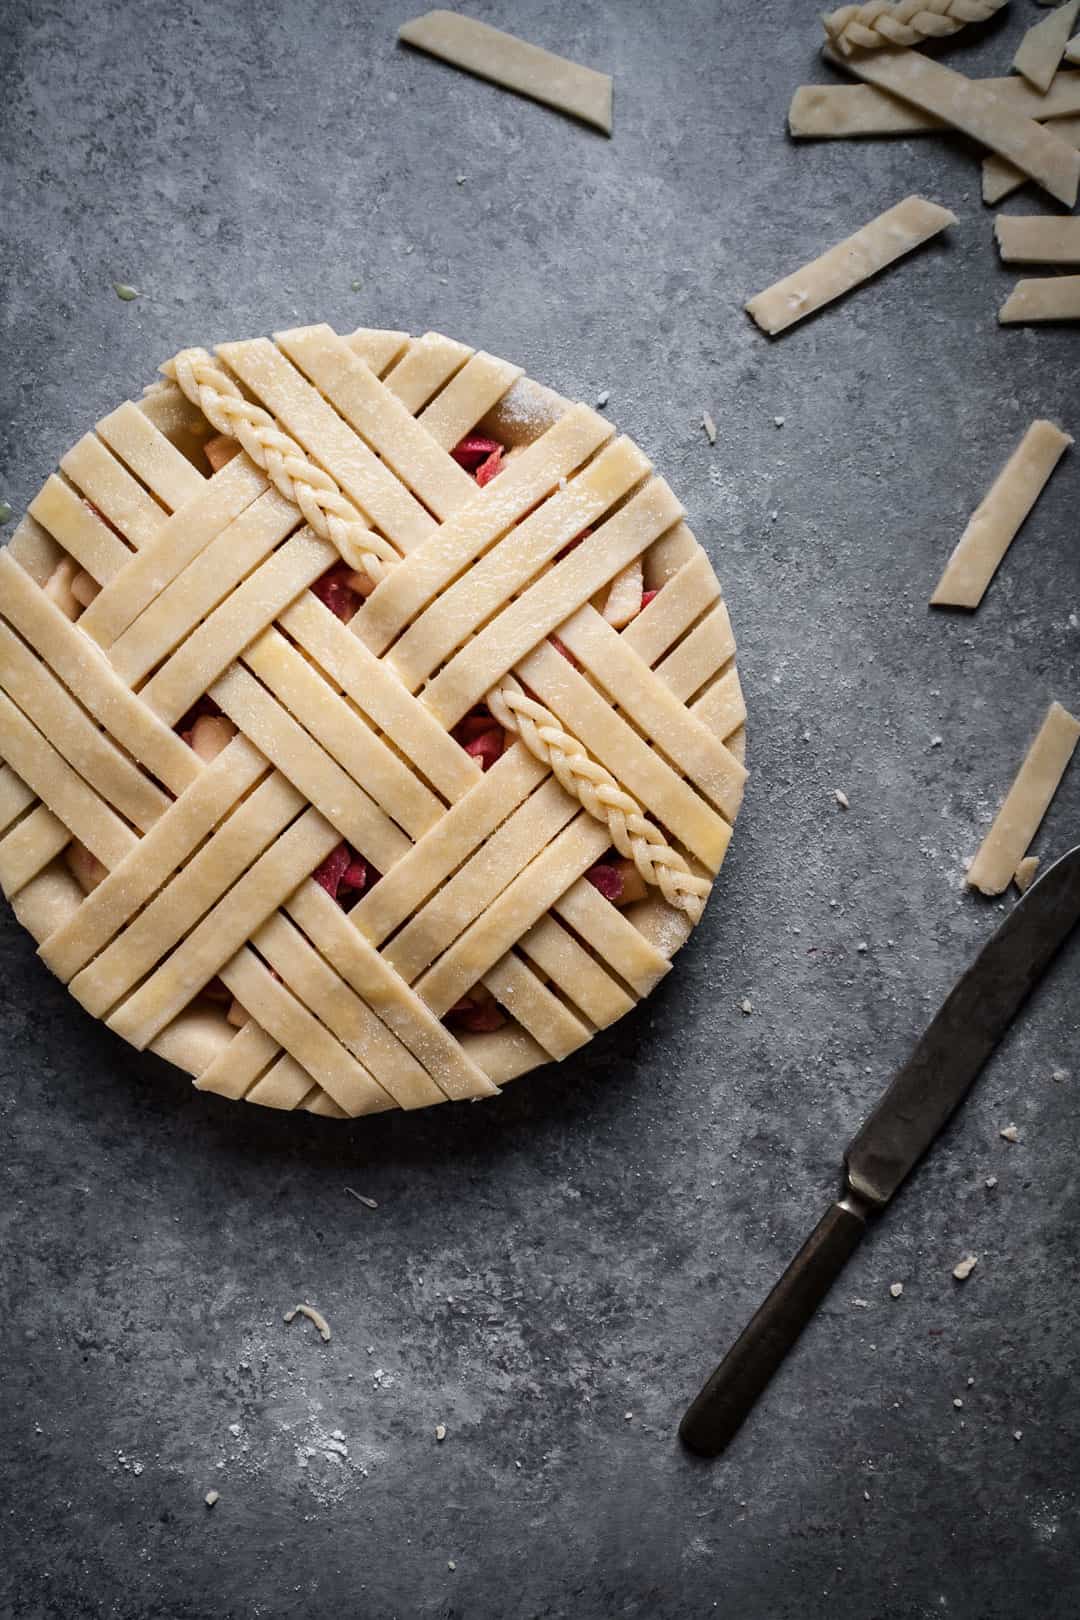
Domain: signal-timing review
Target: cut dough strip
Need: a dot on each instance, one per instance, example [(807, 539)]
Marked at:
[(999, 177), (997, 520), (841, 111), (513, 64), (1049, 298), (966, 105), (878, 23), (1038, 239), (1043, 46), (889, 237), (1026, 803)]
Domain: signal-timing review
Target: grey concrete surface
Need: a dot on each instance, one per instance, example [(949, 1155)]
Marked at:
[(550, 1275)]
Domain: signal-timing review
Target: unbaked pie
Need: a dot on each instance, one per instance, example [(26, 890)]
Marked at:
[(370, 721)]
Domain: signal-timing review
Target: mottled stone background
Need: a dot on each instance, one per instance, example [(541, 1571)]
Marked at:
[(550, 1275)]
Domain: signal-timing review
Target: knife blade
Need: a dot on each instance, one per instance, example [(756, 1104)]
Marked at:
[(917, 1104)]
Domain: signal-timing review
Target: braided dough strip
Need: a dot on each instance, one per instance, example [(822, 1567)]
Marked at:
[(879, 23), (324, 508)]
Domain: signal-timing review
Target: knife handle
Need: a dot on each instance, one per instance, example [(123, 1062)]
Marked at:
[(725, 1401)]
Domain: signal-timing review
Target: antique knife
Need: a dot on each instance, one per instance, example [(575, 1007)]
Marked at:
[(918, 1103)]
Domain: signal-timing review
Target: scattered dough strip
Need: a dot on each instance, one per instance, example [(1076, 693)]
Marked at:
[(513, 64), (1000, 178), (324, 507), (997, 520), (1048, 298), (840, 111), (1042, 47), (878, 23), (889, 237), (1038, 239), (313, 1316), (1026, 803), (966, 105)]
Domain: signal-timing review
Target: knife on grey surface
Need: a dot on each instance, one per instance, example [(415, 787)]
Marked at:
[(919, 1101)]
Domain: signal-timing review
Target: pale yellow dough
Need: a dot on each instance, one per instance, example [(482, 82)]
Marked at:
[(514, 64), (966, 105), (845, 111), (1043, 46), (1000, 178), (1048, 298), (889, 237), (998, 518), (1038, 239), (1026, 873), (1026, 803)]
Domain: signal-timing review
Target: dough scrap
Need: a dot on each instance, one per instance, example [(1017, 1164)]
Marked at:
[(1026, 803), (1042, 47), (514, 64), (1072, 49), (1000, 177), (312, 1315), (1038, 239), (1045, 298), (841, 111), (997, 519), (896, 232), (880, 23), (968, 106), (1024, 876)]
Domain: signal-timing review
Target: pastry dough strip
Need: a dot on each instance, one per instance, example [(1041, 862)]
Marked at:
[(551, 1023), (119, 498), (32, 685), (15, 797), (223, 930), (221, 637), (376, 416), (205, 583), (426, 365), (1043, 46), (186, 897), (476, 389), (708, 647), (180, 539), (1000, 178), (1042, 298), (76, 661), (966, 105), (246, 1058), (494, 511), (615, 940), (840, 111), (868, 251), (1026, 803), (523, 902), (382, 499), (59, 787), (399, 1007), (310, 768), (512, 562), (557, 594), (688, 594), (28, 848), (132, 436), (566, 963), (156, 860), (379, 349), (78, 529), (998, 518), (1042, 239), (287, 1085)]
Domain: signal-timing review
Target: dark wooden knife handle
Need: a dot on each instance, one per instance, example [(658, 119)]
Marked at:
[(718, 1412)]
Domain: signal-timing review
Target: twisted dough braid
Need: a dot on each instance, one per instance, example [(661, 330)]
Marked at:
[(298, 479), (600, 794), (332, 517), (908, 22)]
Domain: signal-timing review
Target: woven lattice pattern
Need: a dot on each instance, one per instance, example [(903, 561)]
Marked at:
[(341, 772)]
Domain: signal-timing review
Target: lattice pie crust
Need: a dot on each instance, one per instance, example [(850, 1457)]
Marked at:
[(371, 729)]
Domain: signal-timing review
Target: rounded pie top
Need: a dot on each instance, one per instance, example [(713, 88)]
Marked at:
[(370, 721)]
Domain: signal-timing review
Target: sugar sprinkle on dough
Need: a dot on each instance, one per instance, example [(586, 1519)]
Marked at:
[(1026, 802), (313, 1316), (869, 250), (999, 516), (514, 64), (1042, 47)]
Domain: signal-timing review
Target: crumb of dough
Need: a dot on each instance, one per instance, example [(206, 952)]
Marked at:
[(710, 427), (957, 1402), (602, 399), (440, 1431), (936, 742), (1024, 876), (1010, 1133), (368, 1203), (628, 1416), (313, 1316), (896, 1289), (963, 1268), (1060, 1075), (863, 1304), (1018, 1434), (746, 1006), (450, 1564), (990, 1183), (211, 1497), (778, 421), (842, 799)]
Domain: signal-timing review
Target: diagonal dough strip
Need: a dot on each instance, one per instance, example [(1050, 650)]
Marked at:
[(841, 111), (1026, 802), (1042, 298), (1043, 46), (514, 64), (969, 107), (898, 231), (999, 177)]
